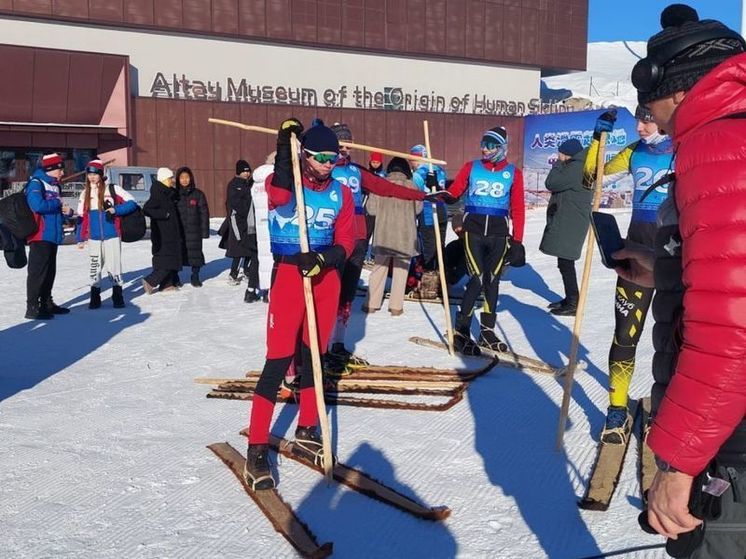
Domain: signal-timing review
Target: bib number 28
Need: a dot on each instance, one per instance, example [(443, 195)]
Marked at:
[(492, 189)]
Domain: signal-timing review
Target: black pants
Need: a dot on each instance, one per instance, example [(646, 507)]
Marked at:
[(485, 257), (454, 261), (250, 268), (353, 267), (569, 278), (428, 246), (42, 269)]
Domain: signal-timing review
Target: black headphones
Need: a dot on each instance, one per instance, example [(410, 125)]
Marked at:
[(648, 72)]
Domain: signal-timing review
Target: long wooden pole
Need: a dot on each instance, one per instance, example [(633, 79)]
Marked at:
[(313, 339), (589, 246), (350, 145), (439, 251)]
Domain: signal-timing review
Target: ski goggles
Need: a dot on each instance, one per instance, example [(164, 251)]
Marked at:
[(322, 158), (489, 145)]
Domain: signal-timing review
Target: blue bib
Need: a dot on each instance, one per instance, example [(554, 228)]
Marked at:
[(322, 210), (418, 178), (489, 191), (648, 164), (349, 175)]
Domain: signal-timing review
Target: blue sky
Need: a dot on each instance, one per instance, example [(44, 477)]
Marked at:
[(637, 20)]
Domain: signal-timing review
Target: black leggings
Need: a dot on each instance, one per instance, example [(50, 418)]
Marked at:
[(250, 268), (569, 278), (353, 267), (485, 257), (275, 369)]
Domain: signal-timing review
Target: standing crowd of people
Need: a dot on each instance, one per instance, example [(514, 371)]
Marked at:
[(685, 249)]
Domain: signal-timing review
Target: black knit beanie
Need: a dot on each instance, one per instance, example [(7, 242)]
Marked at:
[(320, 138), (399, 165), (685, 68)]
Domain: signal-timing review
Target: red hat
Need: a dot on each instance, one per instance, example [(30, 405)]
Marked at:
[(95, 166), (52, 161), (376, 156)]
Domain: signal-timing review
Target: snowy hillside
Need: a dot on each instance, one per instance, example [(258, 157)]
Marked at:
[(103, 430), (607, 81)]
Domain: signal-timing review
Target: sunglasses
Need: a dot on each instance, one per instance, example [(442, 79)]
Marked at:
[(323, 157), (489, 145)]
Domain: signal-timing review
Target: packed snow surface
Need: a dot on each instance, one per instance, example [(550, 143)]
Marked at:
[(103, 430)]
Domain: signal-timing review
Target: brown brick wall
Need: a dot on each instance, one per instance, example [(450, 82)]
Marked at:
[(174, 133), (539, 33)]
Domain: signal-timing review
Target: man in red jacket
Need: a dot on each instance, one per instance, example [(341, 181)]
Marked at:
[(693, 81)]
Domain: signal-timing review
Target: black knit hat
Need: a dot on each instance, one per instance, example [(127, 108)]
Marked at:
[(682, 67), (242, 166), (497, 135), (570, 147), (643, 113), (399, 165), (342, 131), (320, 138)]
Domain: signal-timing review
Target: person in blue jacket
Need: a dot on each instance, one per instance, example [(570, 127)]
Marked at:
[(43, 197), (425, 228)]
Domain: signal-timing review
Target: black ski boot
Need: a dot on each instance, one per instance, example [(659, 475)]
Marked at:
[(251, 295), (568, 308), (462, 342), (308, 445), (195, 281), (556, 304), (95, 298), (117, 297), (35, 312), (487, 337), (52, 308), (257, 471)]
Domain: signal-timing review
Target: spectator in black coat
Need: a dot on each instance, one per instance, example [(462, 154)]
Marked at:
[(238, 232), (166, 235), (194, 217)]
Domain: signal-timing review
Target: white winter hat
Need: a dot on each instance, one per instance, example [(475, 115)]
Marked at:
[(164, 173)]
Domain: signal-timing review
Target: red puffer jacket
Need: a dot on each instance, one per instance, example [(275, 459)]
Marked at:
[(706, 398)]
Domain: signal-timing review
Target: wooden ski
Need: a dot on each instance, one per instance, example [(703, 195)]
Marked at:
[(277, 511), (606, 470), (507, 359)]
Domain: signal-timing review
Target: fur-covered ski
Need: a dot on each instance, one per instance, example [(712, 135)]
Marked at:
[(508, 358), (364, 386), (397, 372), (277, 511), (606, 470), (333, 399), (362, 483), (414, 297), (647, 467)]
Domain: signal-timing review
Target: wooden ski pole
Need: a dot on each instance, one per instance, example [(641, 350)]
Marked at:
[(350, 145), (589, 247), (439, 251), (313, 339)]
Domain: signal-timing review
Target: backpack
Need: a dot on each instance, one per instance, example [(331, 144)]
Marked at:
[(16, 215), (132, 225)]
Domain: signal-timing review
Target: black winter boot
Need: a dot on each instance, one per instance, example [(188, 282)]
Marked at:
[(251, 295), (308, 445), (95, 298), (462, 342), (52, 308), (487, 337), (117, 297), (257, 471), (568, 308), (35, 312), (195, 281)]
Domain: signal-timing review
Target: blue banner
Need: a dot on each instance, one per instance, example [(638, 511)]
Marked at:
[(543, 134)]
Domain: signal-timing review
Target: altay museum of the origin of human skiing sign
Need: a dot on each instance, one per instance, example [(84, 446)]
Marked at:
[(193, 67)]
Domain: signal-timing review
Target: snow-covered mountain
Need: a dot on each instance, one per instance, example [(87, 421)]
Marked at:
[(607, 80)]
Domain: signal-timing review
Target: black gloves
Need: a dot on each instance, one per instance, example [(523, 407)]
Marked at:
[(431, 181), (439, 196), (604, 123), (283, 176), (516, 255), (310, 263)]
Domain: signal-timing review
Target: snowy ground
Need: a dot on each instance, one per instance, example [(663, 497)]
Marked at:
[(103, 431)]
